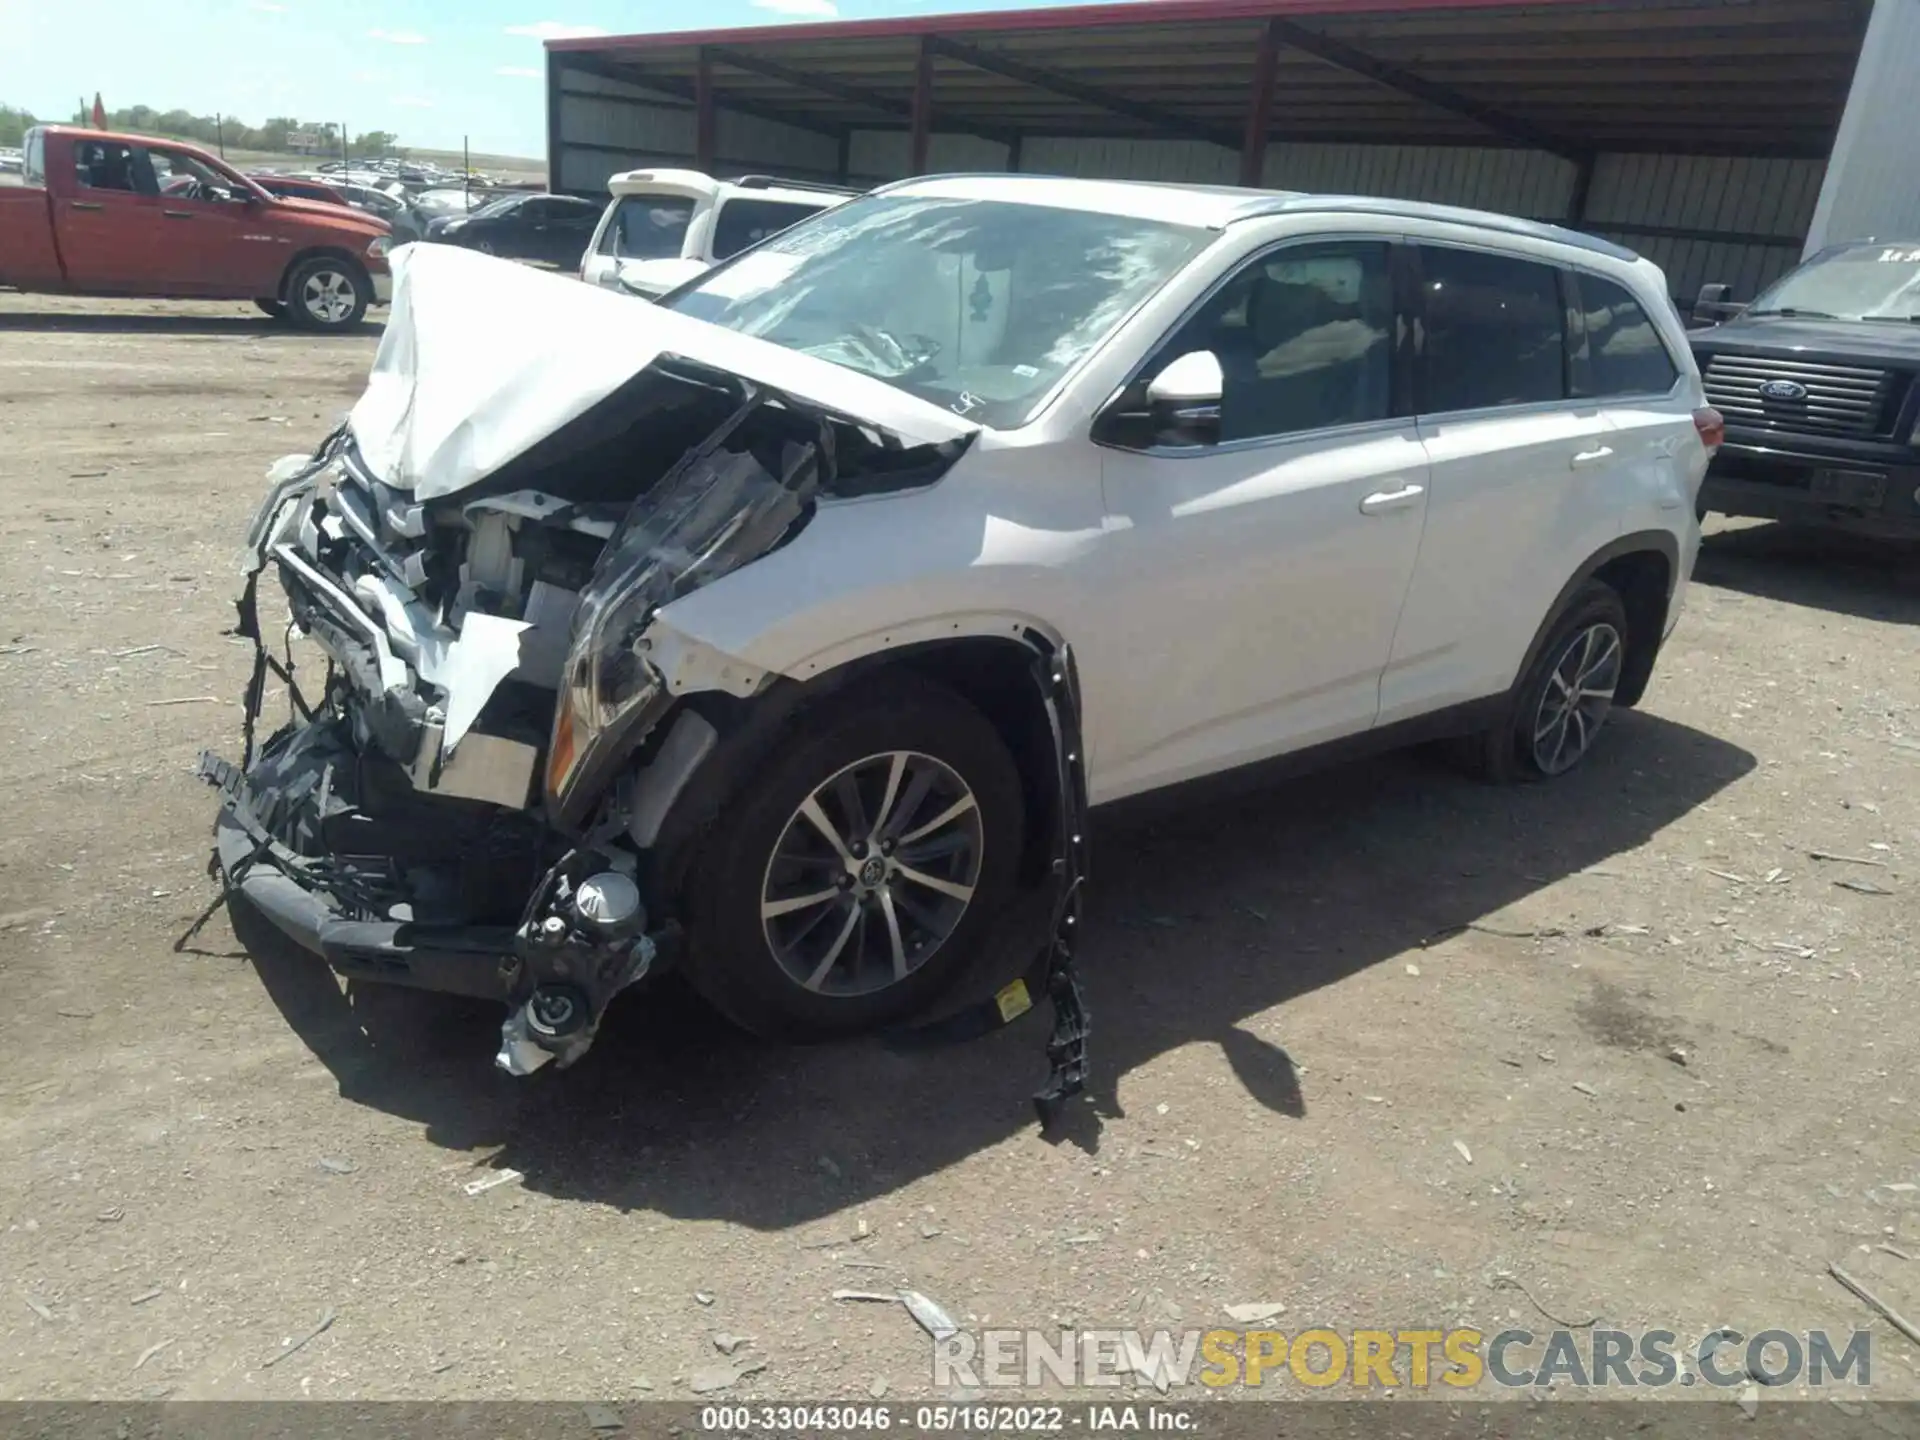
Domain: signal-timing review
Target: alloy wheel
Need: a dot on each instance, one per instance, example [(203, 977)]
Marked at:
[(872, 873), (328, 296), (1577, 699)]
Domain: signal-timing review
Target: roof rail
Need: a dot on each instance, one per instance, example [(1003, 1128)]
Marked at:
[(774, 182)]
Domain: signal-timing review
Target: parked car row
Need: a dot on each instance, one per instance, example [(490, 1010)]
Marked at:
[(388, 202)]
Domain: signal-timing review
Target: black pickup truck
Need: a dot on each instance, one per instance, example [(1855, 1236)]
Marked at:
[(1816, 382)]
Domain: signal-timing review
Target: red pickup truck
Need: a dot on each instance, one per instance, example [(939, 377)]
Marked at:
[(105, 214)]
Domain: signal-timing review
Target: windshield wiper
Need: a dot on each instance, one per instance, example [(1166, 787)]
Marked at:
[(1893, 319), (1794, 313)]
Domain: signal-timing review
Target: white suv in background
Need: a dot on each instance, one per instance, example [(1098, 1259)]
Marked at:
[(663, 227), (762, 606)]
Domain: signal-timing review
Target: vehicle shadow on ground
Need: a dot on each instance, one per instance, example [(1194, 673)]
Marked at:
[(1201, 919), (1823, 569), (232, 325)]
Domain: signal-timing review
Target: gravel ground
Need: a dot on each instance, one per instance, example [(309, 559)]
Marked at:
[(1663, 1076)]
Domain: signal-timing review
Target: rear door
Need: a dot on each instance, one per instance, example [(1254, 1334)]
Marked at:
[(1524, 479), (570, 230)]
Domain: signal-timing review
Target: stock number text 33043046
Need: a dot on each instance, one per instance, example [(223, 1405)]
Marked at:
[(913, 1419)]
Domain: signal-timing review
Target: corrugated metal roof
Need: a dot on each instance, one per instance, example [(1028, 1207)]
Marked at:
[(1748, 77)]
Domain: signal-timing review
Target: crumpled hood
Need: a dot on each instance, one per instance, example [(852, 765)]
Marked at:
[(483, 358)]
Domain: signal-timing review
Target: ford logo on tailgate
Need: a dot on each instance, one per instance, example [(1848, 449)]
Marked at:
[(1783, 390)]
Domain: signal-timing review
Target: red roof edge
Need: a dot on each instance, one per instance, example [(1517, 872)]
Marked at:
[(1065, 17)]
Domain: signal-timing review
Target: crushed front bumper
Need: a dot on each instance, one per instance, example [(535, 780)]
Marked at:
[(365, 915)]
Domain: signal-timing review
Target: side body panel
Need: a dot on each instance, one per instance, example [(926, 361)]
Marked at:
[(1518, 499), (29, 256)]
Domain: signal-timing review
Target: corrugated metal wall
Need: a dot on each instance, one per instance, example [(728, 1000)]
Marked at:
[(1764, 206), (607, 126), (1873, 184), (1514, 182), (1693, 192), (1629, 194)]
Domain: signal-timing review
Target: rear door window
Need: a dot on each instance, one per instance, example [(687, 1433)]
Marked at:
[(1624, 352), (747, 222), (1495, 331), (646, 227)]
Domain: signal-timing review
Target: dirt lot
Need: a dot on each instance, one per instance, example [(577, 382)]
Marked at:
[(1676, 1120)]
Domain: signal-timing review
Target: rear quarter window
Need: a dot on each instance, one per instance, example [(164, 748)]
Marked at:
[(747, 222), (1624, 352), (33, 169)]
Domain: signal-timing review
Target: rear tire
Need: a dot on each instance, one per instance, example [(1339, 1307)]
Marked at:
[(327, 294), (1555, 713), (874, 947)]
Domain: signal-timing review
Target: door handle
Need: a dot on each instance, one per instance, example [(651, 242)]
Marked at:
[(1587, 459), (1381, 501), (178, 214), (88, 205)]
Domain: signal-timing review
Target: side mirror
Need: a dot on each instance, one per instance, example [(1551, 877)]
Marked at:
[(1711, 306), (1183, 400)]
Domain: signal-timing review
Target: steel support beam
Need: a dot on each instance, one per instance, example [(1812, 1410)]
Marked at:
[(1253, 147), (838, 90), (1343, 56), (1007, 67), (922, 131), (704, 126), (1582, 189), (554, 142)]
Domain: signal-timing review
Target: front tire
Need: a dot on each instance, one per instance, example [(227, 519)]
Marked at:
[(327, 294), (272, 309), (857, 873), (1555, 714)]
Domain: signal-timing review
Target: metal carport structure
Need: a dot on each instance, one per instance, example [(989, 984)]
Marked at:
[(1697, 131)]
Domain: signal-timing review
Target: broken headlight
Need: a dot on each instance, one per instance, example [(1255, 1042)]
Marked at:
[(716, 511)]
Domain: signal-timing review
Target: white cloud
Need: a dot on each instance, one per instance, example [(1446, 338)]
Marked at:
[(398, 37), (555, 30), (521, 72), (805, 9), (413, 102), (266, 7)]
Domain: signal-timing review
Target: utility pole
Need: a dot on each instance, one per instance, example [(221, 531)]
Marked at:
[(346, 161), (220, 132), (466, 176)]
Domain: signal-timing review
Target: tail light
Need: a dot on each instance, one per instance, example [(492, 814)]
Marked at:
[(1712, 427)]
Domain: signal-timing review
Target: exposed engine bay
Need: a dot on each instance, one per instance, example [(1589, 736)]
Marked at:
[(471, 801)]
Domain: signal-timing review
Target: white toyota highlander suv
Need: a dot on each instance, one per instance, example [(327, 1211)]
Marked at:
[(781, 632)]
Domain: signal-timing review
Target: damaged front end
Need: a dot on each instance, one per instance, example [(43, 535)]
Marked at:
[(470, 801)]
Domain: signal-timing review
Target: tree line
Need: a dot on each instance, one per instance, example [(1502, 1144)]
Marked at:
[(207, 130)]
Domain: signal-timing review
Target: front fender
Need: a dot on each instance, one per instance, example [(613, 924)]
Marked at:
[(868, 576)]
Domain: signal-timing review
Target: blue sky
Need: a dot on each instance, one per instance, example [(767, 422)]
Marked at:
[(429, 70)]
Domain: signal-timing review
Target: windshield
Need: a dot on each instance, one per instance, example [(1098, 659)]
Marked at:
[(495, 207), (1867, 282), (979, 306), (647, 227)]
